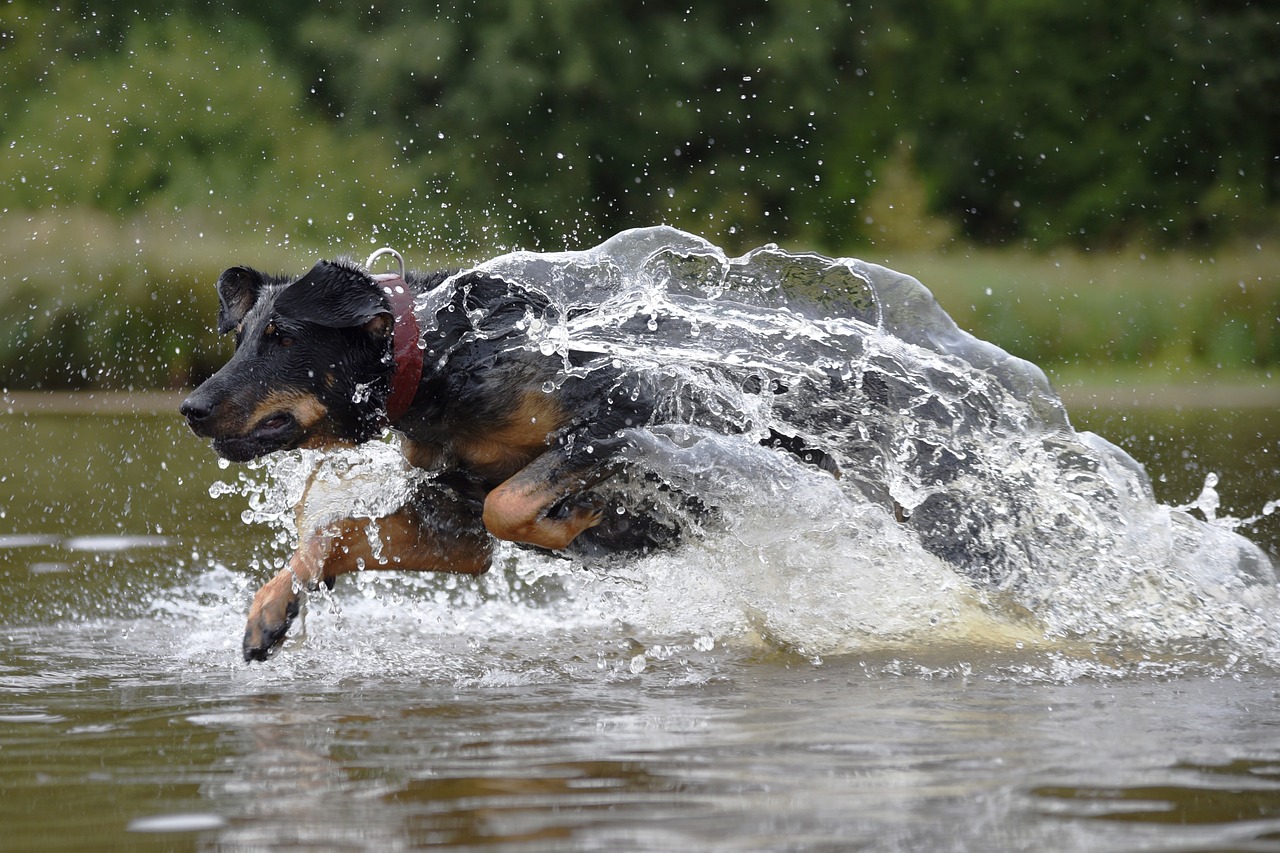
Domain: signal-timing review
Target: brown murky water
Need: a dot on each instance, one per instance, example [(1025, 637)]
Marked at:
[(420, 712)]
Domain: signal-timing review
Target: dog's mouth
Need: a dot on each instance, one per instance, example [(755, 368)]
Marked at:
[(275, 424), (278, 431)]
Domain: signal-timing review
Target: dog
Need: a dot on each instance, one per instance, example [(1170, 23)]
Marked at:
[(520, 442)]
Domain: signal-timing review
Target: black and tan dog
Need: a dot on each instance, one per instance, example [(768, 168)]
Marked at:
[(517, 443)]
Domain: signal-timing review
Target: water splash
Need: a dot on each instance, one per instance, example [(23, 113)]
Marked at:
[(968, 507)]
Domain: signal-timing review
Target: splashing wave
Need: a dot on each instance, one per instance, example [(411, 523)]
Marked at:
[(969, 509)]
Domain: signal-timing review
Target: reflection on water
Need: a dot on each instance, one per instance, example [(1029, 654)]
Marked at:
[(124, 741), (1243, 790), (419, 713)]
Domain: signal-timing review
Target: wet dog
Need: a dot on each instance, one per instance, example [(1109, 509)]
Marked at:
[(518, 439)]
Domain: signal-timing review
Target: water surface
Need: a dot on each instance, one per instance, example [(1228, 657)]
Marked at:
[(422, 712)]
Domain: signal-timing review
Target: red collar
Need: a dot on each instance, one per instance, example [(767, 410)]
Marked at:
[(405, 346)]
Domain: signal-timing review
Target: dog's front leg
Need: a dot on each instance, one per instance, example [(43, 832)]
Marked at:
[(278, 602), (411, 539)]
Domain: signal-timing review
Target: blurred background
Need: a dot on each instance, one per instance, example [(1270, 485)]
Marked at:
[(1093, 185)]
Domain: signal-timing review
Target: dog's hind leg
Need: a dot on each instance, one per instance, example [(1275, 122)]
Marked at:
[(545, 503), (436, 532)]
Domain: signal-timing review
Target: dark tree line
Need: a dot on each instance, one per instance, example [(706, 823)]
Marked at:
[(537, 121)]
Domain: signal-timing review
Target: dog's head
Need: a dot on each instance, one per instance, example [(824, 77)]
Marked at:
[(311, 364)]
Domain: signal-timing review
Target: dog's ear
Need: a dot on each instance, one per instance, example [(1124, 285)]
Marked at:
[(238, 289), (334, 295)]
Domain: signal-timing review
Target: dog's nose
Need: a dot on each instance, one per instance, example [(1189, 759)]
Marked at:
[(195, 411)]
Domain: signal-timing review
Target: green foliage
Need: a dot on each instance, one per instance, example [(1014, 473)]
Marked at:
[(550, 121), (94, 301), (184, 119), (1092, 121)]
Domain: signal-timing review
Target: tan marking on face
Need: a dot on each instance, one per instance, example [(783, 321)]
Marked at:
[(522, 437), (305, 408)]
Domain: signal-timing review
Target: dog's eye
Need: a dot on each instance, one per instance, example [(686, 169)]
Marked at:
[(273, 333)]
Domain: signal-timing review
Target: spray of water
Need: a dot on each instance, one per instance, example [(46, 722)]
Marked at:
[(968, 508)]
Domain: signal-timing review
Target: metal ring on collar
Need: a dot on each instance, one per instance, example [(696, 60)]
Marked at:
[(385, 251)]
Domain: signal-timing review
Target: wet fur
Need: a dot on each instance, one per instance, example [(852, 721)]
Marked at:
[(514, 461)]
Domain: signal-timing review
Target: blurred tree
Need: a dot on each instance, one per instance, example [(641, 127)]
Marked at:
[(1091, 122), (1235, 48), (540, 122), (185, 119), (549, 118)]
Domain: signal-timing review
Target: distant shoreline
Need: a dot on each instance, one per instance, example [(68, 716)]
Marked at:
[(90, 402), (1155, 396), (1076, 397)]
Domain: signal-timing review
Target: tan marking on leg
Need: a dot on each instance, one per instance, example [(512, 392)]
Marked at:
[(407, 543)]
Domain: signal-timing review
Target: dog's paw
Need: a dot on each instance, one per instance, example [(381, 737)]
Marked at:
[(559, 532), (584, 509), (587, 515), (274, 608)]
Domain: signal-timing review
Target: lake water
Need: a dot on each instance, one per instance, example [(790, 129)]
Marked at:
[(510, 714)]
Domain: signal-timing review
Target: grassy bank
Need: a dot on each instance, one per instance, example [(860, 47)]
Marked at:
[(97, 302), (1174, 317)]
